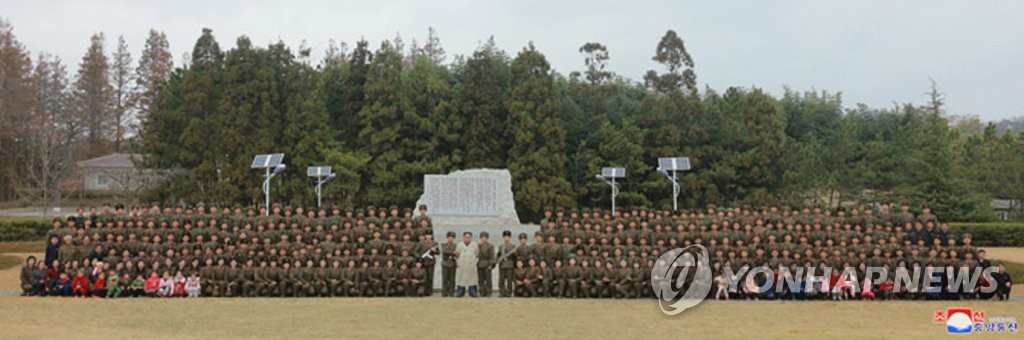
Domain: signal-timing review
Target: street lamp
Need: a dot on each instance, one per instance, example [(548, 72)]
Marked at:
[(608, 175), (323, 175), (268, 162), (673, 164)]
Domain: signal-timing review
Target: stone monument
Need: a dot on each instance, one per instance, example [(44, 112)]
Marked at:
[(473, 200)]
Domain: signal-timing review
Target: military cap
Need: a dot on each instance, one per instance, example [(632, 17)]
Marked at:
[(393, 207), (370, 207), (450, 234), (407, 209), (506, 233), (523, 236)]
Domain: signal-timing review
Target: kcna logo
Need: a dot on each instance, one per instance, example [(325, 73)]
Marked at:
[(968, 321), (681, 278)]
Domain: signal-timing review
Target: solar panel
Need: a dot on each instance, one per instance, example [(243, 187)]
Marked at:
[(275, 160), (674, 163), (257, 163), (318, 171), (613, 172), (267, 161)]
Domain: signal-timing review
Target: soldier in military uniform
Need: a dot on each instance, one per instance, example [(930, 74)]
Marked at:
[(448, 265), (485, 264), (506, 264), (427, 251)]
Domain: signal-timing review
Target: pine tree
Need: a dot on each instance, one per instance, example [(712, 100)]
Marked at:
[(381, 122), (345, 118), (537, 156), (154, 70), (200, 97), (15, 89), (484, 138), (95, 96)]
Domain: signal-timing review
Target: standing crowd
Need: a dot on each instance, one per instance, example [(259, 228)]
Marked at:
[(233, 252)]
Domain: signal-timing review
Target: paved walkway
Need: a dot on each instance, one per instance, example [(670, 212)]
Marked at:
[(37, 212)]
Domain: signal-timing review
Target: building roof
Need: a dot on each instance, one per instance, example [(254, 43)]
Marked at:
[(1003, 204), (114, 160)]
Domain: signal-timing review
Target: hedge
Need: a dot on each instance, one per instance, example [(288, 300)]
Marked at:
[(992, 234), (23, 229)]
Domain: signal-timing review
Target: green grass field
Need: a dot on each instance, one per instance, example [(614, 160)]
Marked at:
[(493, 318)]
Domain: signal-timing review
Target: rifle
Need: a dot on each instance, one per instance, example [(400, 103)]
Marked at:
[(427, 254)]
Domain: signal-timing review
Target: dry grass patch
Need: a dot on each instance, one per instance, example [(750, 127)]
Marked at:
[(477, 319)]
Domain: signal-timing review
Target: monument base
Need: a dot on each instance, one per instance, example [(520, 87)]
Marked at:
[(474, 200)]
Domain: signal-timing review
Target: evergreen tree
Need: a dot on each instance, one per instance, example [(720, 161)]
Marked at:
[(382, 122), (484, 137), (94, 97), (537, 156), (153, 72)]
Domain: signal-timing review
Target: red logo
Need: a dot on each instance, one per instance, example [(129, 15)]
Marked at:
[(940, 316)]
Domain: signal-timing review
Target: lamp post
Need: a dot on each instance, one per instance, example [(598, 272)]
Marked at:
[(323, 175), (268, 162), (673, 164), (608, 175)]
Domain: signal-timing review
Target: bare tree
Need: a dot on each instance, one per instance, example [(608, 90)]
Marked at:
[(55, 126), (121, 78)]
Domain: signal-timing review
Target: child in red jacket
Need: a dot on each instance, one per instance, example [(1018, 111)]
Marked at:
[(152, 286), (80, 285), (99, 288)]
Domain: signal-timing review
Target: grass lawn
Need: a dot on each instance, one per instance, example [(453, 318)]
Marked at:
[(492, 318)]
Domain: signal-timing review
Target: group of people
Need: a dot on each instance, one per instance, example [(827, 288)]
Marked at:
[(114, 251)]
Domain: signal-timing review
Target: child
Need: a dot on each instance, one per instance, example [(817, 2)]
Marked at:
[(166, 285), (137, 288), (114, 286), (193, 286), (887, 289), (99, 288), (179, 285), (80, 285), (723, 287), (866, 292), (152, 286), (39, 280), (62, 285)]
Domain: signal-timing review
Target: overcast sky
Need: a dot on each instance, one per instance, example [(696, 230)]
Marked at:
[(874, 52)]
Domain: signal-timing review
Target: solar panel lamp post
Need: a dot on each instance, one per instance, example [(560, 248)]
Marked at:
[(675, 187), (615, 189), (266, 183), (667, 167), (319, 188)]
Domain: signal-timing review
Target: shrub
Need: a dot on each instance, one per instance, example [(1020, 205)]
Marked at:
[(23, 229), (992, 234)]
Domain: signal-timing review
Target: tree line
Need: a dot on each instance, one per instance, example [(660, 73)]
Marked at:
[(384, 116)]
